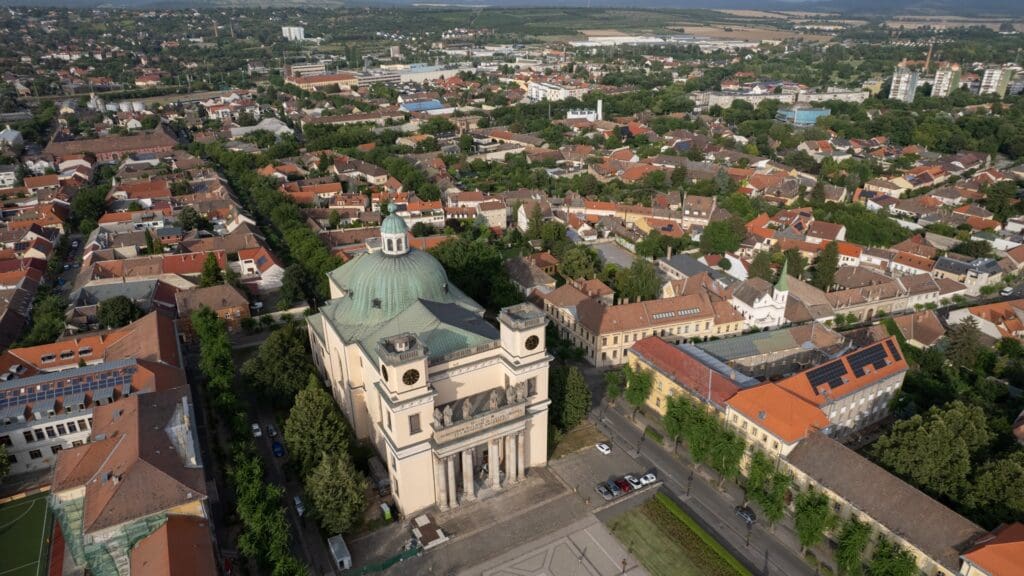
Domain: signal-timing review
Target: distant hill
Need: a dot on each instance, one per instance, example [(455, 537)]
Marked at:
[(860, 7)]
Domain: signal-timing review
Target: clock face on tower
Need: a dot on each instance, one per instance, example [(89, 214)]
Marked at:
[(532, 342), (411, 377)]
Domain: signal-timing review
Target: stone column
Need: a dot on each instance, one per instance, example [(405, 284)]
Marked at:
[(440, 485), (510, 458), (453, 500), (521, 455), (492, 464), (468, 493)]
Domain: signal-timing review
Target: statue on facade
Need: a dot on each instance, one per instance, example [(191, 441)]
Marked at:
[(438, 418), (467, 409), (510, 396), (493, 403), (521, 391), (448, 415)]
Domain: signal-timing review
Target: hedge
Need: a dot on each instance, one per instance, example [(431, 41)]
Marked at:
[(721, 562)]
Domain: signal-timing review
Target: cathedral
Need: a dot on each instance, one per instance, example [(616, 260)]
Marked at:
[(455, 407)]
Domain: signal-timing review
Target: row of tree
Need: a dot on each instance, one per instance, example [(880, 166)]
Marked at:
[(265, 534)]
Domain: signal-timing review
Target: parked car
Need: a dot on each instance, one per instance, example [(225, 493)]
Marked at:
[(648, 479), (300, 508), (256, 432), (747, 514), (1008, 291), (634, 482), (623, 485), (277, 448), (74, 243), (603, 448), (614, 489), (67, 266), (271, 431), (603, 490)]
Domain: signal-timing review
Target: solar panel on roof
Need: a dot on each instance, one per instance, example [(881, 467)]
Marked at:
[(895, 351), (873, 355), (831, 374)]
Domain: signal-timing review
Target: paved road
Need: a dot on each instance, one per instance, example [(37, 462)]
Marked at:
[(713, 509)]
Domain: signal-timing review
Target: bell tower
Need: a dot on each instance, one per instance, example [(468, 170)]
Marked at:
[(403, 364), (522, 333)]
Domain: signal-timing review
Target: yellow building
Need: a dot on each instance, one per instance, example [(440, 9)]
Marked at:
[(453, 405)]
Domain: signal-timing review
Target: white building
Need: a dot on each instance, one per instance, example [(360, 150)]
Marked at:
[(294, 33), (995, 81), (904, 84), (588, 114), (762, 304), (947, 79), (537, 91)]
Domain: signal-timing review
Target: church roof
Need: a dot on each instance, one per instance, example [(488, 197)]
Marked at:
[(391, 294)]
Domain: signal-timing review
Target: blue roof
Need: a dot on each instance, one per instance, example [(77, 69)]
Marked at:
[(422, 106)]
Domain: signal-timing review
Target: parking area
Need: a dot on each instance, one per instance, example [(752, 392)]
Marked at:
[(612, 253), (585, 469)]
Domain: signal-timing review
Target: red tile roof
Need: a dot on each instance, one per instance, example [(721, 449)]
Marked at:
[(684, 369)]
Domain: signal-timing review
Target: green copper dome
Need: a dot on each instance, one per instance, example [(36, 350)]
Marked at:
[(393, 225), (379, 286)]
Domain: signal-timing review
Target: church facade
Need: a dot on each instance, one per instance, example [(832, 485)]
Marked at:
[(455, 407)]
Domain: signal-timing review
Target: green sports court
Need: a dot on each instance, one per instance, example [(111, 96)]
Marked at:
[(25, 527)]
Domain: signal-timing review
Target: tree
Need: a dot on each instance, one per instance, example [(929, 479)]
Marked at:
[(761, 267), (211, 274), (336, 490), (850, 545), (475, 266), (890, 559), (974, 248), (825, 267), (334, 220), (678, 177), (314, 427), (639, 384), (118, 311), (722, 236), (189, 219), (576, 403), (639, 282), (613, 385), (963, 342), (767, 486), (813, 517), (421, 229), (795, 262), (281, 366), (935, 451), (997, 495), (578, 262), (5, 464)]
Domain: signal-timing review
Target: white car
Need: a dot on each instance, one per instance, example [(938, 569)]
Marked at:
[(256, 432), (648, 479), (300, 508), (633, 482), (603, 448), (1006, 291)]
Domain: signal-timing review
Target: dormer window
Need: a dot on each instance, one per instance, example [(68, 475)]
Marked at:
[(375, 302), (67, 354), (48, 358), (85, 351)]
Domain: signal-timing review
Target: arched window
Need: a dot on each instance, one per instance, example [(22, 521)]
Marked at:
[(390, 244), (398, 244)]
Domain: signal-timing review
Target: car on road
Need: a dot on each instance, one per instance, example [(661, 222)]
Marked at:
[(747, 514), (67, 266), (623, 485), (271, 431), (648, 479), (300, 508), (633, 481), (256, 432), (603, 490), (1006, 291), (603, 448), (614, 489), (277, 448)]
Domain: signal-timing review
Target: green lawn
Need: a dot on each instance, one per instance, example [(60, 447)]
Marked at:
[(24, 536), (669, 543)]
